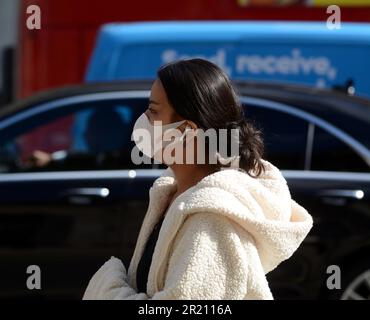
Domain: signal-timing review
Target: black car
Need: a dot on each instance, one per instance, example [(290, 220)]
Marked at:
[(70, 196)]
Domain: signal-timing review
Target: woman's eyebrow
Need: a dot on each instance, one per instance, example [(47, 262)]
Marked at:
[(152, 101)]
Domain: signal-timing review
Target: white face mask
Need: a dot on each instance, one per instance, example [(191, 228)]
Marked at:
[(149, 138)]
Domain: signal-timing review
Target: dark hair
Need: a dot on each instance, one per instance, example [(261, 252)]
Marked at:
[(200, 91)]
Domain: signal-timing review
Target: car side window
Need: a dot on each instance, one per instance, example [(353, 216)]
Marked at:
[(331, 154), (284, 135), (94, 136)]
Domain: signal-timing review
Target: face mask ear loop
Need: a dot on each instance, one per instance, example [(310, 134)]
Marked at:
[(185, 135)]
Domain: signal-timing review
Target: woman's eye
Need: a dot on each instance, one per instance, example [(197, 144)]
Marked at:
[(152, 111)]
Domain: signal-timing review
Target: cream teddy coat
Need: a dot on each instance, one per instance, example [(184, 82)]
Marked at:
[(218, 239)]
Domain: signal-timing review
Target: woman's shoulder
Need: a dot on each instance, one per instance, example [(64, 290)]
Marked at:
[(209, 225)]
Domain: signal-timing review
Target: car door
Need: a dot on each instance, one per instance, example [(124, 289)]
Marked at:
[(70, 196), (328, 175), (339, 186)]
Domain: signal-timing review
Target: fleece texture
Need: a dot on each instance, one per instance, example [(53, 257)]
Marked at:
[(218, 239)]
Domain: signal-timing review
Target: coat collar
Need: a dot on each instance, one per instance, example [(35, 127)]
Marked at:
[(159, 194)]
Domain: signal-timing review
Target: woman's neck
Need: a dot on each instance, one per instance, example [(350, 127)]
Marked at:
[(188, 175)]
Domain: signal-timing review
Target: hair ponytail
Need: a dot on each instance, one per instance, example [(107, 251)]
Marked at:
[(251, 148)]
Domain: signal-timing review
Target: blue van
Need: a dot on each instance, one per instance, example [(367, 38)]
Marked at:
[(295, 52)]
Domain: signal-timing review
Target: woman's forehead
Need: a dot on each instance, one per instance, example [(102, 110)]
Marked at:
[(158, 93)]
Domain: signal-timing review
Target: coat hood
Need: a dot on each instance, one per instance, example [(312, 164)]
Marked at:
[(263, 206)]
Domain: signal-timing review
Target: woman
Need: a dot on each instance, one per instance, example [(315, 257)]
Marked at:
[(213, 229)]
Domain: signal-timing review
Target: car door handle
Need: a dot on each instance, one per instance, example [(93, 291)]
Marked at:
[(342, 193), (85, 195), (89, 192), (340, 196)]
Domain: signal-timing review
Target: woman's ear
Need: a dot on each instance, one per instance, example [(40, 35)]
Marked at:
[(188, 131), (191, 125)]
